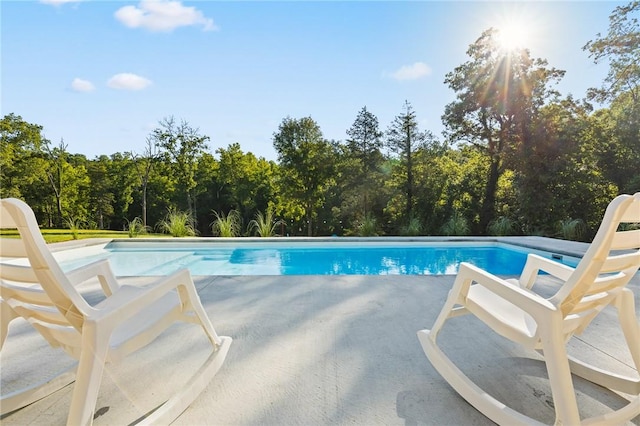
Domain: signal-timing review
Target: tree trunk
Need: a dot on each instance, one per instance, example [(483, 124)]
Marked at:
[(408, 153), (487, 211), (309, 224), (144, 205), (409, 183)]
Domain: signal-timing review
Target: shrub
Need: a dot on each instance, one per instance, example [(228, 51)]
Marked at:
[(178, 224), (501, 226), (367, 227), (135, 227), (414, 227), (74, 225), (572, 229), (226, 226), (456, 225), (264, 224), (629, 226)]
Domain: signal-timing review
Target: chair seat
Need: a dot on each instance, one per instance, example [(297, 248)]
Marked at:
[(144, 326), (501, 315)]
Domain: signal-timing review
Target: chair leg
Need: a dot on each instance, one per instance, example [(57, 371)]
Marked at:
[(555, 355), (7, 314), (189, 295), (460, 286), (95, 343), (629, 324), (631, 330), (206, 324)]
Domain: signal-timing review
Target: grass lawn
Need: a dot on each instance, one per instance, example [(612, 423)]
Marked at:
[(59, 235)]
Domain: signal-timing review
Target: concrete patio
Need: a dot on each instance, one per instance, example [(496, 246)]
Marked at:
[(319, 350)]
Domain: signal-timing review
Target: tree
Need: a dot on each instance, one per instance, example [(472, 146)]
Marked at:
[(183, 145), (403, 139), (549, 176), (621, 47), (21, 164), (163, 192), (498, 93), (246, 182), (101, 191), (363, 151), (55, 172), (143, 165), (434, 175), (621, 159), (306, 164), (124, 179)]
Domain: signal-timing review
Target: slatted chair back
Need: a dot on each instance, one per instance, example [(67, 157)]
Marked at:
[(608, 265), (32, 283)]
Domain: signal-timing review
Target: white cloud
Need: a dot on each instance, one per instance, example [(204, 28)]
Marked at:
[(412, 72), (80, 85), (163, 15), (59, 2), (128, 81)]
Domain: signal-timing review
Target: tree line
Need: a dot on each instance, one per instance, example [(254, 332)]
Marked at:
[(516, 157)]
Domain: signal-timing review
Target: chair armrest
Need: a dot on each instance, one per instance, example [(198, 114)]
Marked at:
[(536, 263), (100, 269), (525, 299), (129, 300)]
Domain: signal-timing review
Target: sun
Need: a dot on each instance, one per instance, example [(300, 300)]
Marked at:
[(513, 36)]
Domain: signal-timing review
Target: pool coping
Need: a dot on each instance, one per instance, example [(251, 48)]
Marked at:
[(551, 245)]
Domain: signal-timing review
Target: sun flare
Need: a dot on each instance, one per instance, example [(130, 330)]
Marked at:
[(514, 35)]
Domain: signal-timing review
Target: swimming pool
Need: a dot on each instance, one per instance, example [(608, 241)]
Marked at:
[(304, 258)]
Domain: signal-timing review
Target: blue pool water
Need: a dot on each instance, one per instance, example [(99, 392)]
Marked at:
[(306, 259)]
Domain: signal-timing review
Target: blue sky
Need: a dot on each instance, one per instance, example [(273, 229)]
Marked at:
[(102, 74)]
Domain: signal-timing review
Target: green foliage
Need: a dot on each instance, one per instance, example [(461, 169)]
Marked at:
[(229, 225), (413, 228), (620, 48), (629, 226), (502, 226), (457, 225), (498, 95), (135, 227), (75, 225), (367, 227), (572, 229), (22, 172), (307, 164), (247, 183), (404, 138), (183, 145), (178, 224), (360, 167), (265, 225)]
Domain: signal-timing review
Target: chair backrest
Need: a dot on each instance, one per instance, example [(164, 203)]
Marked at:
[(608, 265), (32, 282)]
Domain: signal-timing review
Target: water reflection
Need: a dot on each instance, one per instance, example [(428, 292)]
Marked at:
[(365, 260), (382, 261)]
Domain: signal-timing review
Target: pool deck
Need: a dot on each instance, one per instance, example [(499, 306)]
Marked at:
[(321, 350)]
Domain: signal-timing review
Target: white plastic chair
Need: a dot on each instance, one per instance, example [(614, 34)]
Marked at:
[(34, 287), (512, 309)]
